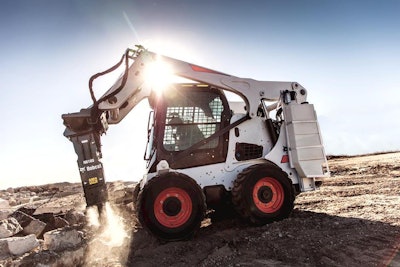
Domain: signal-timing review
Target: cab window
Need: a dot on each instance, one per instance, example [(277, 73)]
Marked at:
[(191, 117)]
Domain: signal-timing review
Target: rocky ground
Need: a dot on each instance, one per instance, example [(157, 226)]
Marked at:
[(352, 220)]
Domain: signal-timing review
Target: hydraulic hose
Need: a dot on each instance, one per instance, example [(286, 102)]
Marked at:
[(125, 57)]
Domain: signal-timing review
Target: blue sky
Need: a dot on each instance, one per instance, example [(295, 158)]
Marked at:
[(346, 53)]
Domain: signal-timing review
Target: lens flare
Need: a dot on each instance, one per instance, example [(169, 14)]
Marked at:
[(159, 75)]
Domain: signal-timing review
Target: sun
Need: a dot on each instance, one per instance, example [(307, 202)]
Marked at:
[(159, 75)]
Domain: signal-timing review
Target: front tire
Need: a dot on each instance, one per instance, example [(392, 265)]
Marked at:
[(171, 206), (263, 193)]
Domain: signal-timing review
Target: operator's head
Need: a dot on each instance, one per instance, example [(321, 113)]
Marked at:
[(175, 119)]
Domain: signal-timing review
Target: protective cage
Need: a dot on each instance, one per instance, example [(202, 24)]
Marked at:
[(191, 116), (187, 115)]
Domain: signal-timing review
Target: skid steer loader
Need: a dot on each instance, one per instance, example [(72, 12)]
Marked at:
[(204, 149)]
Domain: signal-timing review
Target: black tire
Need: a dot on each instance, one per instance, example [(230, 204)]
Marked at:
[(171, 206), (263, 193)]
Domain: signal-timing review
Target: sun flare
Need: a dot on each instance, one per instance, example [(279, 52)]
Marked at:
[(159, 75)]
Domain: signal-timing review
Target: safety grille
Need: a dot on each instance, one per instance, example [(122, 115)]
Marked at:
[(191, 118), (245, 151)]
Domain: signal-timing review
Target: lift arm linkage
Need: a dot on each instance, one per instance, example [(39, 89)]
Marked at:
[(136, 89)]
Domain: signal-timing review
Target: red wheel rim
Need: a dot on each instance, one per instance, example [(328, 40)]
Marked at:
[(173, 207), (268, 195)]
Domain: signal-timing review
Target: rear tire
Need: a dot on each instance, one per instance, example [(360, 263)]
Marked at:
[(263, 193), (171, 206)]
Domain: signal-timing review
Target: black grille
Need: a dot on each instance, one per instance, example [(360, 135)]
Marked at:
[(245, 151)]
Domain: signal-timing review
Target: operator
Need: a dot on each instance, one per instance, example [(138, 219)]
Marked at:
[(186, 135)]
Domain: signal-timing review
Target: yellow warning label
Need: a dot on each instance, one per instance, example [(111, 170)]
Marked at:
[(93, 180)]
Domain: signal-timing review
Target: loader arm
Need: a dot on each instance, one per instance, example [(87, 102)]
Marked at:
[(136, 89)]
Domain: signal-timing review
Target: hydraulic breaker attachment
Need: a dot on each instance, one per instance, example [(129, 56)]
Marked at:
[(85, 136)]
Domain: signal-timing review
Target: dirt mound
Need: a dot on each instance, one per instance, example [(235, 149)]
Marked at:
[(352, 220)]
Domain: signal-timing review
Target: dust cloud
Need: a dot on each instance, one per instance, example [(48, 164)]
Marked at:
[(108, 244)]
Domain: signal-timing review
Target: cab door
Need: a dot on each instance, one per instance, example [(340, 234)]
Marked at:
[(192, 116)]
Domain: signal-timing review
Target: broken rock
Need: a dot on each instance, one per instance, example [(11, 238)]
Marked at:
[(4, 252), (48, 258), (9, 227), (20, 245), (75, 217), (52, 222), (4, 204), (5, 209), (12, 201), (4, 214), (35, 227), (60, 222), (29, 224), (60, 239), (23, 218)]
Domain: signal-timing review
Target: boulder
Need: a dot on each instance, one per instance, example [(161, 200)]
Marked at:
[(49, 258), (23, 200), (4, 204), (4, 214), (5, 209), (52, 222), (61, 239), (60, 222), (119, 193), (12, 201), (23, 218), (29, 224), (27, 210), (20, 245), (4, 252), (75, 217), (9, 227), (35, 227)]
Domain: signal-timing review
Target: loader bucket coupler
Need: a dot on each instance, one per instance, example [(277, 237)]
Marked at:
[(78, 121)]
